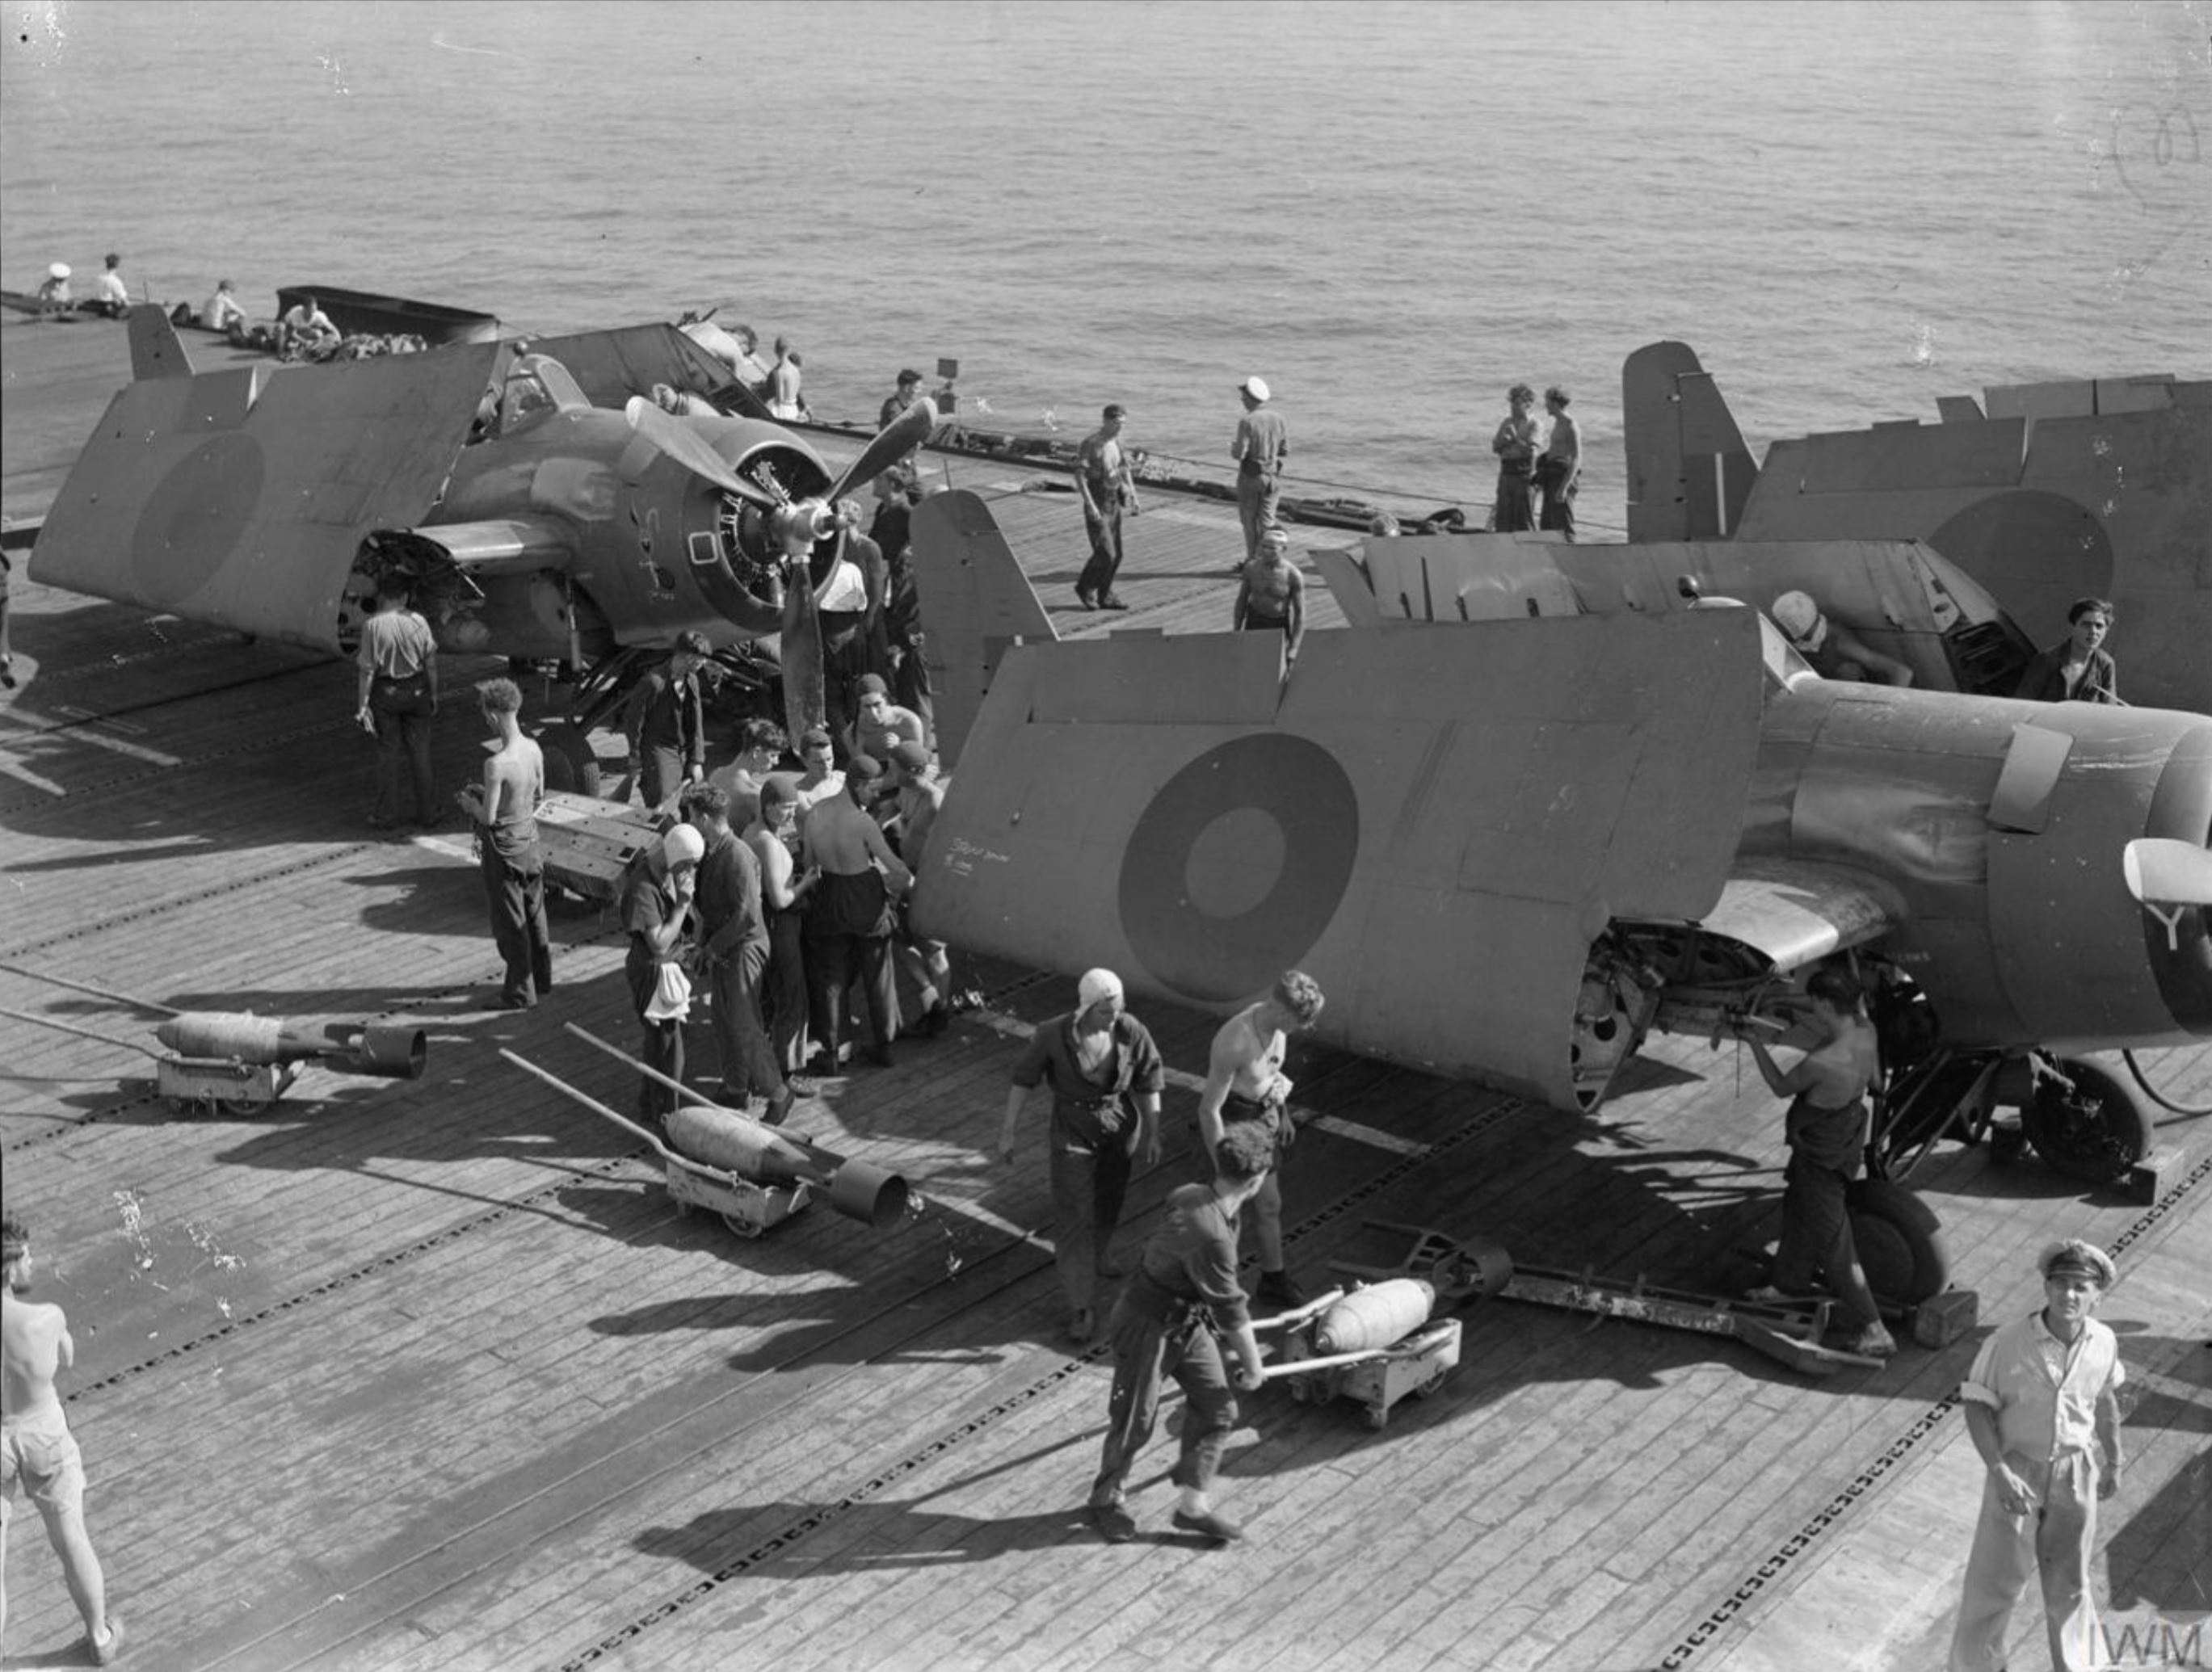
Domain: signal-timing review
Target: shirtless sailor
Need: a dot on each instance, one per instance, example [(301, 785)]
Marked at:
[(1244, 1082)]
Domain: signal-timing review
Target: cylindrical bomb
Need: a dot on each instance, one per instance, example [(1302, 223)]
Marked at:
[(1380, 1315), (737, 1143), (391, 1051)]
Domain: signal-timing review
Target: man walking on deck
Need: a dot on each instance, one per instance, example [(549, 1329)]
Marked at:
[(1245, 1086), (665, 723), (1170, 1320), (1102, 474), (1106, 1077), (38, 1454), (1262, 442)]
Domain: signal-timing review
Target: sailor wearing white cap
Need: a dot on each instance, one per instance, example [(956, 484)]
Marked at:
[(54, 287), (1106, 1077), (1262, 444), (1833, 650), (2041, 1403)]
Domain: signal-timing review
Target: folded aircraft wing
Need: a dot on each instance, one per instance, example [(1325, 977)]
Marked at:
[(242, 496), (1434, 821)]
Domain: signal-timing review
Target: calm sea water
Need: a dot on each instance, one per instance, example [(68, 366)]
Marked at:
[(1390, 212)]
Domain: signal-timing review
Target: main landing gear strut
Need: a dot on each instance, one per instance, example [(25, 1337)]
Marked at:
[(2083, 1121)]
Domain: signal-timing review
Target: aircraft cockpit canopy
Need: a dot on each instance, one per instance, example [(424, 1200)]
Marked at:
[(536, 385), (1785, 666)]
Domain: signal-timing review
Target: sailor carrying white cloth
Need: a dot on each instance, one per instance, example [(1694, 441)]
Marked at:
[(656, 904), (2040, 1403)]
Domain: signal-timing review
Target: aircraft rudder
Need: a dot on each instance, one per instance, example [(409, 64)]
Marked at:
[(975, 602), (1689, 470)]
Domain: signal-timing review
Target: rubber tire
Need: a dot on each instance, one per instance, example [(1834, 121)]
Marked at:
[(2119, 1137), (570, 765), (1899, 1241)]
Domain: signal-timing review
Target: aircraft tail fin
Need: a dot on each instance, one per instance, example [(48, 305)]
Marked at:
[(975, 605), (156, 351), (1689, 471)]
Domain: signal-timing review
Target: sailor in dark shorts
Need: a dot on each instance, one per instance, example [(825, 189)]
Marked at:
[(1245, 1084), (850, 920)]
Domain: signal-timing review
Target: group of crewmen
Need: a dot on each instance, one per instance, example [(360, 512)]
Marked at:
[(1270, 590)]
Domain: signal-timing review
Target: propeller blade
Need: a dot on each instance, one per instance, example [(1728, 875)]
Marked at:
[(893, 443), (2161, 871), (2172, 872), (676, 439)]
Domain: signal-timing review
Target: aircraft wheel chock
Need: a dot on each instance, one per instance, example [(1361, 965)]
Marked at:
[(570, 763), (1899, 1241), (2096, 1132)]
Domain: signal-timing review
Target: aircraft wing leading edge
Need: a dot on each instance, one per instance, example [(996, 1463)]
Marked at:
[(1435, 822), (242, 496)]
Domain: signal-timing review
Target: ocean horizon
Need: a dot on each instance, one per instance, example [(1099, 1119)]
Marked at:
[(1391, 212)]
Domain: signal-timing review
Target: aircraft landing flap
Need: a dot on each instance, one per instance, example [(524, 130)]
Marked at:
[(1796, 912)]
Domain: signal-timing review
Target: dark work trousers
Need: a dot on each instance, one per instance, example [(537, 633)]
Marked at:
[(1515, 512), (1097, 577), (1257, 492), (401, 708), (1088, 1184), (1145, 1349), (1558, 511), (1816, 1233), (784, 993), (833, 963), (661, 1046), (659, 774), (516, 895), (844, 659), (748, 1062)]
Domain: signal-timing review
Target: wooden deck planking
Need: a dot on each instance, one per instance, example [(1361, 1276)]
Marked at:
[(523, 1529)]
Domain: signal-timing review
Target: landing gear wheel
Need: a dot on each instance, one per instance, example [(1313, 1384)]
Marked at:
[(238, 1108), (1378, 1417), (739, 1227), (1899, 1241), (1430, 1387), (2096, 1131), (570, 763)]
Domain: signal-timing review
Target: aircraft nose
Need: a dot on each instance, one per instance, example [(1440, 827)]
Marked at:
[(2169, 872)]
